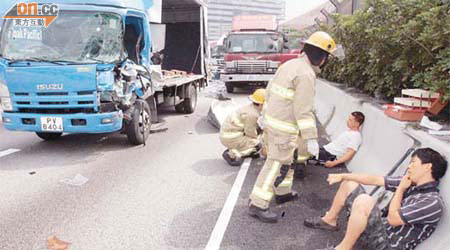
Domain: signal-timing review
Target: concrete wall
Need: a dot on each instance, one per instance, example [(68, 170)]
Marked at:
[(385, 141)]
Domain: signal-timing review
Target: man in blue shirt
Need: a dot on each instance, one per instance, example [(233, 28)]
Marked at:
[(413, 213)]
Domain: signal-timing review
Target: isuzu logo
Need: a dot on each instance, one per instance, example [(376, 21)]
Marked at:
[(50, 86)]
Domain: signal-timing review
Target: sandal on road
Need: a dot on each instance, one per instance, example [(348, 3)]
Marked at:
[(318, 223)]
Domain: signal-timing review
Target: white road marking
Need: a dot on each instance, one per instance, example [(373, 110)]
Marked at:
[(222, 223), (8, 152)]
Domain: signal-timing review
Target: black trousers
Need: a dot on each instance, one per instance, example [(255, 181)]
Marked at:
[(325, 156)]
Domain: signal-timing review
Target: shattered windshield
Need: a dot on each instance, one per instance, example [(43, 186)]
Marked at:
[(254, 43), (74, 36)]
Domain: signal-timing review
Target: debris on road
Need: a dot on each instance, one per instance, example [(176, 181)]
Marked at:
[(439, 132), (32, 173), (425, 122), (103, 139), (78, 180), (216, 90), (53, 243), (219, 110)]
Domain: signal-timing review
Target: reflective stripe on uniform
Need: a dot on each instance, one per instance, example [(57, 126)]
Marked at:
[(281, 125), (285, 184), (268, 182), (264, 195), (231, 135), (282, 92), (306, 123), (302, 158)]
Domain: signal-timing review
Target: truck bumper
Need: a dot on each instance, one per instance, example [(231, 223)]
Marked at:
[(246, 77), (94, 123)]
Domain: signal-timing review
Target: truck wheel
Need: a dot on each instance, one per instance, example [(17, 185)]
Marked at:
[(190, 101), (138, 129), (48, 136), (230, 87)]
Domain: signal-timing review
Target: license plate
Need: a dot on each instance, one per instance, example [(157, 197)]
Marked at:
[(52, 124)]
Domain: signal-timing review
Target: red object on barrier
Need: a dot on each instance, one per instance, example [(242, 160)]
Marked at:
[(404, 113), (414, 106)]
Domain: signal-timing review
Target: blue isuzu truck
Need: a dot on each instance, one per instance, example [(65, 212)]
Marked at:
[(101, 66)]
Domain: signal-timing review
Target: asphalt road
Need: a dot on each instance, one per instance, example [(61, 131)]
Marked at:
[(166, 195)]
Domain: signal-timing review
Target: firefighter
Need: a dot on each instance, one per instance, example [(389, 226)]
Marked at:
[(239, 132), (289, 124)]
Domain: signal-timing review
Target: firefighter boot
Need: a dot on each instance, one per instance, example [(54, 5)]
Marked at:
[(300, 171), (264, 215), (280, 199), (232, 162)]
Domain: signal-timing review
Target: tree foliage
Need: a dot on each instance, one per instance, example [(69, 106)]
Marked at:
[(394, 44)]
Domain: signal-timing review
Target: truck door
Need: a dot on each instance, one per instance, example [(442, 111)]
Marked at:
[(136, 38)]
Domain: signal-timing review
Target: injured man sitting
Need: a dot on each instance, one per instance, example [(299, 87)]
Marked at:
[(344, 147)]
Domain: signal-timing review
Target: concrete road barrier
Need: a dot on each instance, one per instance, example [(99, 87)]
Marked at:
[(385, 142)]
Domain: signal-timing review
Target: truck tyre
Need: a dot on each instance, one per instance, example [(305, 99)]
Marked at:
[(230, 87), (190, 101), (48, 136), (138, 129)]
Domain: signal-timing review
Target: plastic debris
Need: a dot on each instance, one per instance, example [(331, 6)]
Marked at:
[(53, 243), (438, 132), (32, 173), (103, 139), (78, 180), (425, 122), (219, 110)]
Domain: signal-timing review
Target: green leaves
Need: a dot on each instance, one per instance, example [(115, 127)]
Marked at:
[(394, 44)]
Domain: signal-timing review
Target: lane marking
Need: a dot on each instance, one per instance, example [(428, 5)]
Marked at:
[(8, 152), (222, 223)]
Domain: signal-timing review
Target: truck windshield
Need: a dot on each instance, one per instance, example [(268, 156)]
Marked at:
[(74, 36), (253, 43)]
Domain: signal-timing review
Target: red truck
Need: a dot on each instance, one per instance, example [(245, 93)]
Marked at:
[(254, 50)]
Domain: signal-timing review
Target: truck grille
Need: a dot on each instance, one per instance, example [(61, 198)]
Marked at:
[(56, 102), (252, 67)]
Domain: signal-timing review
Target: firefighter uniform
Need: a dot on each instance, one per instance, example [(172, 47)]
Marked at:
[(288, 122), (239, 131)]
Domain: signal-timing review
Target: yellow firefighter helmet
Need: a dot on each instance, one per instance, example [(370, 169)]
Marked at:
[(323, 41), (258, 96)]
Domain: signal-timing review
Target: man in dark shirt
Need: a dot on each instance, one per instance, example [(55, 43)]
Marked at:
[(413, 213)]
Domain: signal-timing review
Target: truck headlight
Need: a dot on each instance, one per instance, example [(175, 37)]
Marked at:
[(5, 98)]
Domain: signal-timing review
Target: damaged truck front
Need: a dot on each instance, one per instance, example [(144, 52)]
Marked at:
[(89, 71)]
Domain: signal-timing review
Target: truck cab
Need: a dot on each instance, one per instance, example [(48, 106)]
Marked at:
[(254, 51), (89, 71)]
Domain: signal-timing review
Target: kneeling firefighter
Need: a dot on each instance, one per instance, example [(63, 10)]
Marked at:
[(239, 132), (289, 124)]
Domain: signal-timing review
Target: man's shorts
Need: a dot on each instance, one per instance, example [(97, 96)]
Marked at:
[(375, 236)]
